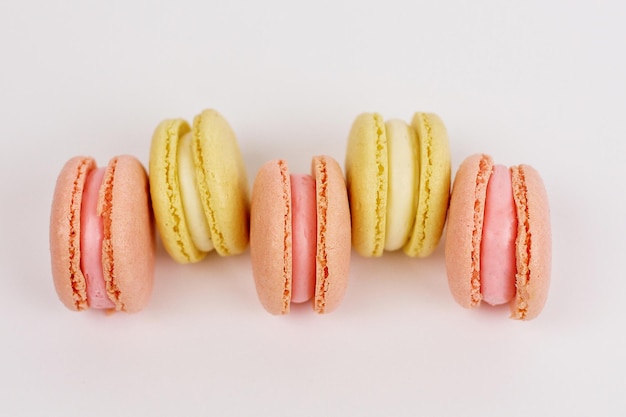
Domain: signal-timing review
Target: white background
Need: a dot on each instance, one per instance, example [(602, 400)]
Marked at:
[(533, 82)]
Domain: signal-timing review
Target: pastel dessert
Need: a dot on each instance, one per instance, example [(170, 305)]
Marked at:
[(300, 236), (199, 188), (398, 179), (102, 235), (498, 240)]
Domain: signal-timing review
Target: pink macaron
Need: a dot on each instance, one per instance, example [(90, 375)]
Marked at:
[(300, 236), (498, 239), (102, 235)]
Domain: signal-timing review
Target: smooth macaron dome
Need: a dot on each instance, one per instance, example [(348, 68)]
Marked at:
[(102, 235), (300, 236), (498, 238), (199, 187), (398, 179)]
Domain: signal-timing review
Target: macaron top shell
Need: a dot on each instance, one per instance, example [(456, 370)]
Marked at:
[(367, 181), (333, 234), (128, 234), (222, 182), (434, 184), (129, 240), (533, 243)]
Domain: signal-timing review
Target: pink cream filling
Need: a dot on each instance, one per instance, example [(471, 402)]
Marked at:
[(91, 235), (497, 247), (304, 237)]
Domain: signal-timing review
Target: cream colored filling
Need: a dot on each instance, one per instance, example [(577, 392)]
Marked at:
[(190, 196), (402, 188)]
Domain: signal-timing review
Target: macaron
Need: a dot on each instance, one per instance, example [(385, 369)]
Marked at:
[(102, 235), (300, 236), (199, 188), (398, 179), (498, 239)]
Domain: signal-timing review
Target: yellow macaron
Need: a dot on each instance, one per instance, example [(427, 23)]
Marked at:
[(398, 178), (199, 187)]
